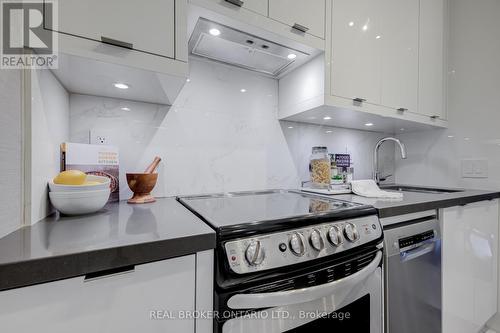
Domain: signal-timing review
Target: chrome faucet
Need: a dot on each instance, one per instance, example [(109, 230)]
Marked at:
[(402, 147)]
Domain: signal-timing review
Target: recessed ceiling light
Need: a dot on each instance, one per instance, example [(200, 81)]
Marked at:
[(369, 124), (329, 131), (290, 127), (120, 85), (378, 37), (402, 130), (125, 108), (466, 139), (214, 32), (365, 27), (188, 80), (327, 118), (351, 24), (292, 56), (451, 136), (243, 90)]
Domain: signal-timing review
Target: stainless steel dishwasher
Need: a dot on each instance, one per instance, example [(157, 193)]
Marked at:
[(413, 276)]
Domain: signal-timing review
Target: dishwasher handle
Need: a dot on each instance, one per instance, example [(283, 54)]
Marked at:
[(422, 249)]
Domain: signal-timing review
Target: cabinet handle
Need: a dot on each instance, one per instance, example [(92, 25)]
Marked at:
[(359, 100), (109, 273), (115, 42), (434, 117), (300, 27), (402, 109), (238, 3)]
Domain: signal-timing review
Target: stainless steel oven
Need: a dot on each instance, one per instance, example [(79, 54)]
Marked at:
[(318, 299), (294, 262)]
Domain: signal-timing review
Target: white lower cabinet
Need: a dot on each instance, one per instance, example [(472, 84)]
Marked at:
[(470, 261), (121, 303)]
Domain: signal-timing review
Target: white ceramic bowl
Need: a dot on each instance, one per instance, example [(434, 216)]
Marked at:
[(104, 184), (81, 202)]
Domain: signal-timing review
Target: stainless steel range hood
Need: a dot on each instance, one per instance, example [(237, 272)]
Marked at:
[(222, 43)]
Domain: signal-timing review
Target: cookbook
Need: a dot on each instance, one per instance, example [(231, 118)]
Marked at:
[(99, 160)]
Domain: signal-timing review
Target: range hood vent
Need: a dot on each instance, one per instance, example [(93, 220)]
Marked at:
[(224, 44)]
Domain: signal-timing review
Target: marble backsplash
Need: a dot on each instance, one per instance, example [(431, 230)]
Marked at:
[(222, 134), (359, 144)]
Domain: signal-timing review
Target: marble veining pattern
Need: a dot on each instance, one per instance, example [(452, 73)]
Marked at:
[(214, 138)]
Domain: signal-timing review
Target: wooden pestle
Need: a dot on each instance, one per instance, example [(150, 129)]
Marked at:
[(152, 167)]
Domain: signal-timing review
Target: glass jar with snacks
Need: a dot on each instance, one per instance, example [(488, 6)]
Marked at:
[(319, 167)]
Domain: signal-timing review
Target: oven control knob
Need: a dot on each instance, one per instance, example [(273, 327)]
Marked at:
[(254, 253), (297, 244), (335, 236), (351, 233), (316, 240)]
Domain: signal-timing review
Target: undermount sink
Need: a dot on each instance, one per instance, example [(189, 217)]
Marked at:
[(405, 188)]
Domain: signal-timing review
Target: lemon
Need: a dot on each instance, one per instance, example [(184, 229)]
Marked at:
[(70, 177)]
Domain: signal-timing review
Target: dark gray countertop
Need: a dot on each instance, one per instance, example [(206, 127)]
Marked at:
[(413, 202), (123, 235), (119, 235)]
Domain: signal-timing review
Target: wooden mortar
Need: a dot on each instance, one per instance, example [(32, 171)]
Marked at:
[(143, 183)]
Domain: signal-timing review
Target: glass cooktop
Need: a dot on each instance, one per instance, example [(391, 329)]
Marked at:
[(224, 210)]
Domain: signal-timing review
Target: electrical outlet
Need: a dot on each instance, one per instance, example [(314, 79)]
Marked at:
[(99, 137)]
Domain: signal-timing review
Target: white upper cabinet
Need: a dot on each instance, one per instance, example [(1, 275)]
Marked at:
[(143, 44), (431, 59), (399, 40), (383, 63), (147, 27), (375, 51), (308, 16), (258, 6), (356, 51)]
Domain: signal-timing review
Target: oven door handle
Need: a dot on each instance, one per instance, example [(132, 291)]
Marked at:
[(297, 296)]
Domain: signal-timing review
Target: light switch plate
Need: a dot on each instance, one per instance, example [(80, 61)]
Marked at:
[(474, 169)]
